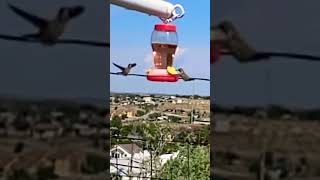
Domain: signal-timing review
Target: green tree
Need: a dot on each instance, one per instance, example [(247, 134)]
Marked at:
[(157, 136), (174, 119), (124, 116), (94, 164), (197, 167), (20, 175), (20, 124), (154, 115), (19, 147), (140, 113), (202, 134), (116, 101), (116, 122), (44, 173)]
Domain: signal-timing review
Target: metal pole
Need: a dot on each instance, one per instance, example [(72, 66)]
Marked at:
[(151, 163), (188, 161), (131, 158), (262, 160), (192, 101), (159, 8), (268, 86), (117, 156)]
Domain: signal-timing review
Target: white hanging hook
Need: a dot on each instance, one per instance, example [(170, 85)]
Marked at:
[(175, 15)]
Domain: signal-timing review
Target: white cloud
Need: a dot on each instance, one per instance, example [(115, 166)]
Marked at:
[(148, 58), (180, 52)]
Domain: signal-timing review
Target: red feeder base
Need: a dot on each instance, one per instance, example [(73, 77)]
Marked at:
[(161, 75)]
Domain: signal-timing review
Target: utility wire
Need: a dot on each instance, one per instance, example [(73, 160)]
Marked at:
[(159, 140), (259, 56), (60, 41), (142, 75)]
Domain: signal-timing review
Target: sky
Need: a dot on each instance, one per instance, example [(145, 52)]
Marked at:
[(62, 71), (130, 34), (270, 25)]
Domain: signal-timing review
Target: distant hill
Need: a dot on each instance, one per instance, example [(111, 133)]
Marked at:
[(154, 94)]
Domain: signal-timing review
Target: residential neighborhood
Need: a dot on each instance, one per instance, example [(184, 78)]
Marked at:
[(151, 133), (272, 143), (165, 108), (45, 139)]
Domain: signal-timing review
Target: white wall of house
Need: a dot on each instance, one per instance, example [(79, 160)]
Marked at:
[(118, 152), (147, 99)]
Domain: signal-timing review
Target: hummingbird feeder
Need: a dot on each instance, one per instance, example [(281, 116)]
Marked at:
[(164, 42)]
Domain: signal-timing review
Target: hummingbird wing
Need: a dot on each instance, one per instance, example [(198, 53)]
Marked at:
[(118, 66), (132, 65), (35, 20), (76, 11)]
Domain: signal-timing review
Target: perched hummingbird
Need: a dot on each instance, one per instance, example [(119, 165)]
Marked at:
[(228, 41), (125, 70), (183, 75), (49, 30)]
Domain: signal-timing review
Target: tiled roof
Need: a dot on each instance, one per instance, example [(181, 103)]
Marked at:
[(131, 148)]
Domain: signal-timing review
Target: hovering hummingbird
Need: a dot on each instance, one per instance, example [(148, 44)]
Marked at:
[(228, 41), (125, 70), (183, 75), (49, 30)]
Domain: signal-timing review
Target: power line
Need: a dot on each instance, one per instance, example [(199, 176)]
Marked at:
[(259, 56), (143, 75), (59, 41), (117, 137)]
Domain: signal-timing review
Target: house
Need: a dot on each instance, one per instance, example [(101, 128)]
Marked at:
[(84, 116), (5, 160), (129, 111), (166, 157), (125, 150), (56, 114), (3, 131), (179, 101), (135, 166), (30, 162), (46, 131), (66, 162), (221, 125), (147, 99), (162, 118), (123, 167), (130, 114), (12, 132), (84, 130), (8, 116)]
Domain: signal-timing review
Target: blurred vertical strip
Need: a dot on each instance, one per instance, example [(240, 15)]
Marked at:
[(108, 87), (212, 60)]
